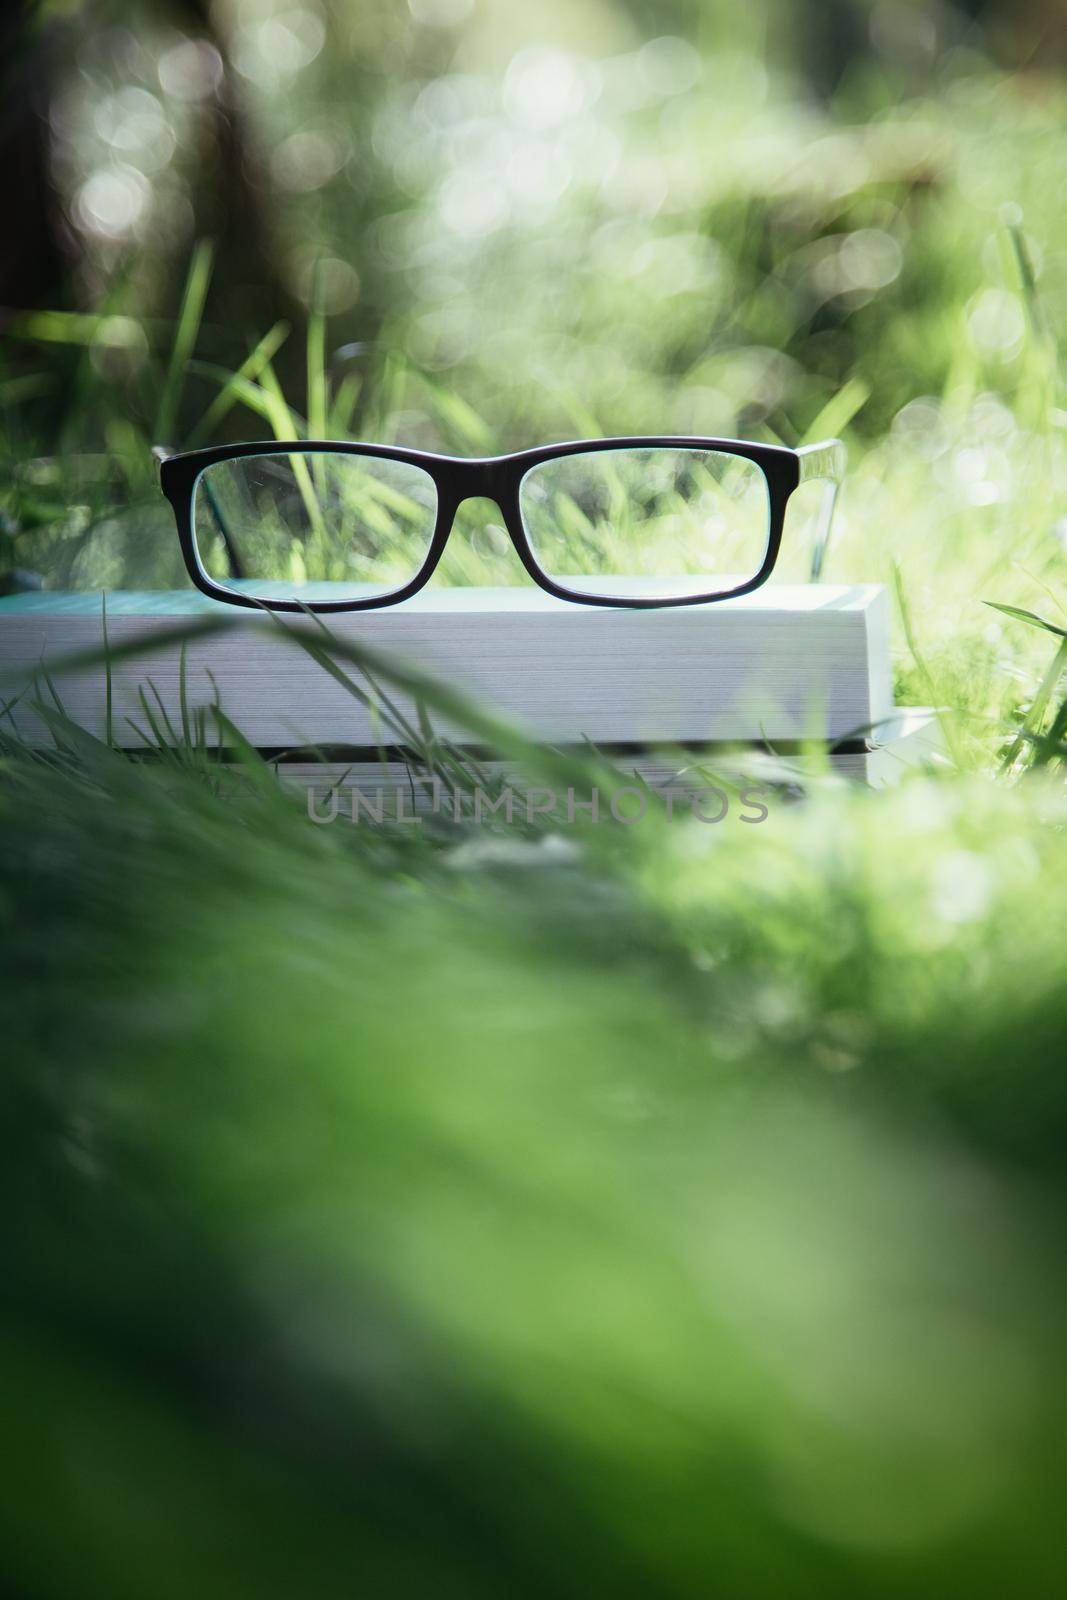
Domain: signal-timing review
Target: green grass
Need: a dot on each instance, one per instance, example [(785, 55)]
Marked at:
[(692, 1204)]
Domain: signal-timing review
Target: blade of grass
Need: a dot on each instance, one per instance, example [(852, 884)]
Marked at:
[(920, 662), (43, 672), (1024, 266), (188, 326), (183, 698), (159, 741), (838, 412), (144, 645), (344, 405), (232, 389), (1038, 706), (108, 705), (1054, 739), (494, 731), (315, 358), (111, 332), (261, 774), (284, 425), (436, 755), (244, 390), (1030, 617), (460, 418), (168, 726), (71, 737)]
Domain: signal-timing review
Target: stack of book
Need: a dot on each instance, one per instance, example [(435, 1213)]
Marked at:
[(779, 671)]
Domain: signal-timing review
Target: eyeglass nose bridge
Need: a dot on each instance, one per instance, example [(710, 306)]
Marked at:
[(487, 478)]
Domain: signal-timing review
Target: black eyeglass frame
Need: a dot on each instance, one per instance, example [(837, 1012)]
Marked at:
[(499, 478)]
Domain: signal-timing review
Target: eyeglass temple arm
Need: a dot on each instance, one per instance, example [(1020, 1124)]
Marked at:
[(824, 462), (161, 453)]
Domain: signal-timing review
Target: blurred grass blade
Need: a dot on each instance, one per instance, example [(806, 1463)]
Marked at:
[(243, 389), (1052, 746), (344, 405), (285, 422), (233, 389), (71, 737), (838, 412), (463, 422), (248, 757), (108, 331), (146, 644), (499, 735), (1030, 729), (268, 401), (1028, 281), (932, 697), (1030, 617), (108, 687), (183, 696), (316, 361), (284, 425), (192, 308), (160, 742)]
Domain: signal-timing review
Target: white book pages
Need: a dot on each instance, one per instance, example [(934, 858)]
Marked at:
[(784, 663)]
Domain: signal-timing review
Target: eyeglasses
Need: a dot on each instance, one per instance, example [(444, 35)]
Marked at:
[(328, 526)]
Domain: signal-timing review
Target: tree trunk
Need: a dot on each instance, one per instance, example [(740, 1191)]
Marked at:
[(34, 252)]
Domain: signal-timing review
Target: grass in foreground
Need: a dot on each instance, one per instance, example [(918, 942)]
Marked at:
[(689, 1213)]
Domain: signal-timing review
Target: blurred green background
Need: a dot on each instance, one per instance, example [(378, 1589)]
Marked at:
[(635, 216), (657, 1211)]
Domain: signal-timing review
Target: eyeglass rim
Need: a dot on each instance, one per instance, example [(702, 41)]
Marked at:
[(498, 478)]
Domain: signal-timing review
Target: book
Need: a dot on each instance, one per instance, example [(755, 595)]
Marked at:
[(781, 667)]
